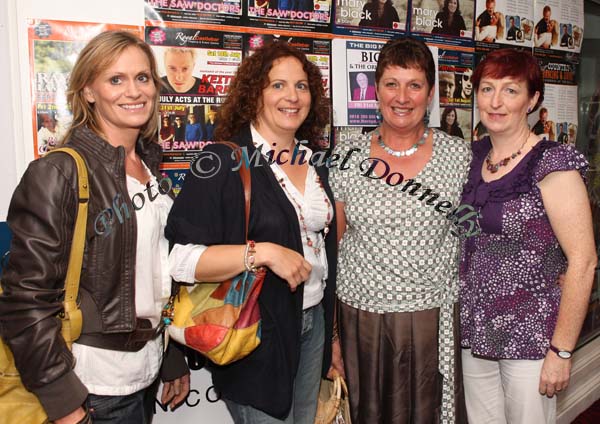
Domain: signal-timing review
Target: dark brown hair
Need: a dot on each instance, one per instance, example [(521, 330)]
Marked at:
[(406, 52), (243, 102)]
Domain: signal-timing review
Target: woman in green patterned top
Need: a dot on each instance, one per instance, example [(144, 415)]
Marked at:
[(397, 266)]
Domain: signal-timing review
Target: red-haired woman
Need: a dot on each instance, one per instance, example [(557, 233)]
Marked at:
[(518, 327)]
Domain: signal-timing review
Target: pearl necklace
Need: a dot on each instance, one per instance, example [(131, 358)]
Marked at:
[(493, 167), (401, 153)]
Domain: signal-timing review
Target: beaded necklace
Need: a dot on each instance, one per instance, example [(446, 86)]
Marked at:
[(493, 167), (401, 153), (309, 241)]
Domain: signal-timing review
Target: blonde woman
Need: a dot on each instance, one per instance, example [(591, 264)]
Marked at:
[(113, 93)]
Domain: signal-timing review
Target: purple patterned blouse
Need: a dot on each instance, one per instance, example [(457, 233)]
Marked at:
[(509, 295)]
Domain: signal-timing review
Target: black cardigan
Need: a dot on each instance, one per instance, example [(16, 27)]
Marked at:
[(210, 211)]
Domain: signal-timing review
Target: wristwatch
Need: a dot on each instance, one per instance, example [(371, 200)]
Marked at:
[(564, 354)]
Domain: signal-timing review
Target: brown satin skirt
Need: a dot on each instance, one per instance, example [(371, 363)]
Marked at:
[(391, 364)]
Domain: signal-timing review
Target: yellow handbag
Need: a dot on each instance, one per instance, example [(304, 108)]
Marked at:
[(17, 404)]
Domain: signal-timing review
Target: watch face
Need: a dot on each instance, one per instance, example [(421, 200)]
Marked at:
[(564, 354)]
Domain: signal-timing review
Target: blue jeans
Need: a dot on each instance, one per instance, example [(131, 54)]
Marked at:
[(128, 409), (308, 377)]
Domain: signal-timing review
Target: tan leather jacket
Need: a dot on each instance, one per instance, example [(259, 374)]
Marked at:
[(41, 217)]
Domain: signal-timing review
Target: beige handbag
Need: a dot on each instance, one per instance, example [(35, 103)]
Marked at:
[(333, 406)]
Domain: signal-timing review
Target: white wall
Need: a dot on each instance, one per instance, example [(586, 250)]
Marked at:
[(8, 158)]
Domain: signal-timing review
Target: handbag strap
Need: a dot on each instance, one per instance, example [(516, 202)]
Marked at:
[(71, 316), (244, 171)]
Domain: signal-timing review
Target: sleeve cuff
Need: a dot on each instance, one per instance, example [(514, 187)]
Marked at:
[(183, 260), (174, 365), (62, 396)]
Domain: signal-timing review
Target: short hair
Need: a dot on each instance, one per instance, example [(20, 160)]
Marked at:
[(243, 102), (517, 64), (546, 9), (542, 111), (99, 54), (406, 52), (180, 50)]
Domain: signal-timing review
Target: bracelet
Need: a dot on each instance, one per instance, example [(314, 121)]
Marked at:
[(249, 256), (336, 335), (87, 418)]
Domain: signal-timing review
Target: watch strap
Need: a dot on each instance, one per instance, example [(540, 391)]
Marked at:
[(564, 354)]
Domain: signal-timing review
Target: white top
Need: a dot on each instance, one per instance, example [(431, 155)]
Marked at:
[(109, 372), (314, 209), (183, 259)]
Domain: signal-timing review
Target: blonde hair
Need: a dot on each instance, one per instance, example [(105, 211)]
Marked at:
[(100, 53), (180, 50)]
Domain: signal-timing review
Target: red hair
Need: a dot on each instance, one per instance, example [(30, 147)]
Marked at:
[(517, 64)]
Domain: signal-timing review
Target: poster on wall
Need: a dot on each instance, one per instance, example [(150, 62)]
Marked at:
[(370, 18), (216, 12), (354, 94), (443, 18), (456, 121), (556, 119), (196, 68), (53, 50), (503, 22), (296, 15), (558, 25), (455, 68)]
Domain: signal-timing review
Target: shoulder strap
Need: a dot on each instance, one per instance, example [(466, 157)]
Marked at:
[(244, 171), (72, 320)]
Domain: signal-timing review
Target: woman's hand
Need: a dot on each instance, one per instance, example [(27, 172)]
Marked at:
[(73, 418), (337, 362), (174, 392), (555, 374), (285, 263)]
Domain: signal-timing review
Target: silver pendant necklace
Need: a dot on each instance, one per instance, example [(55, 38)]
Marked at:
[(401, 153)]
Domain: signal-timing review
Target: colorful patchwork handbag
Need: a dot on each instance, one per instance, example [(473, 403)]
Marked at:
[(17, 404), (221, 320)]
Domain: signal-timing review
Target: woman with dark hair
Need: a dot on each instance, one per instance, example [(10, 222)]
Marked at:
[(449, 123), (518, 326), (167, 132), (109, 375), (380, 14), (275, 99), (451, 19), (398, 258)]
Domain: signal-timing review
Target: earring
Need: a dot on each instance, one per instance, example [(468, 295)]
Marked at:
[(529, 110), (378, 116), (426, 117)]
